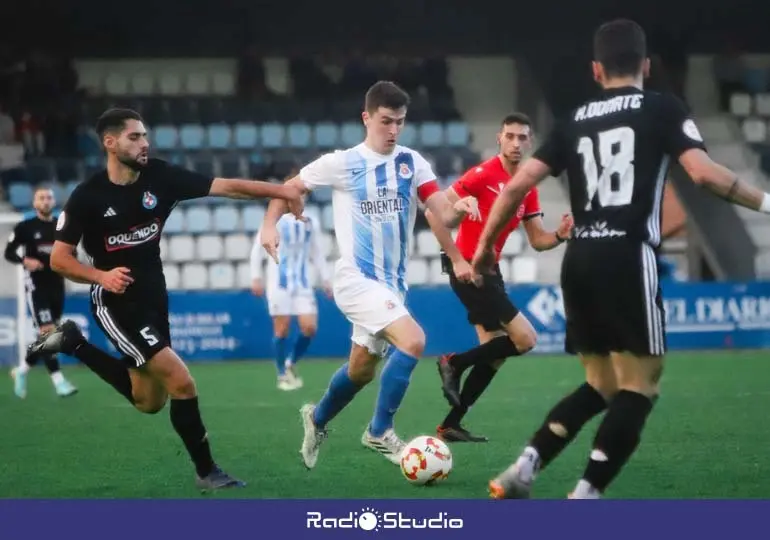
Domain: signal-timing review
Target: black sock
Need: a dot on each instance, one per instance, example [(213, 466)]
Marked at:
[(186, 419), (494, 349), (475, 384), (565, 421), (617, 438), (51, 363), (110, 369)]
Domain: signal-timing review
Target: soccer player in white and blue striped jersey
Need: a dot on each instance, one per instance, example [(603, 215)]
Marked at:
[(377, 186), (290, 290)]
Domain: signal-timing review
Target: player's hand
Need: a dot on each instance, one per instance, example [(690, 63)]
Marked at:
[(32, 265), (483, 261), (116, 280), (566, 225), (270, 241), (257, 287), (463, 271), (295, 196), (328, 291), (468, 206)]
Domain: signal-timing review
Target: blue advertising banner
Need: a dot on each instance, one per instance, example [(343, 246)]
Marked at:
[(235, 325)]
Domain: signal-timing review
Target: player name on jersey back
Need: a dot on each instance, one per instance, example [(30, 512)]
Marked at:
[(616, 104)]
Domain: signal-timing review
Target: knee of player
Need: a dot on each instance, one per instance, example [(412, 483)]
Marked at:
[(184, 388), (308, 330), (525, 341)]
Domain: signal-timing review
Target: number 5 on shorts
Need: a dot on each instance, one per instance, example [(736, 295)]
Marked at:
[(148, 337)]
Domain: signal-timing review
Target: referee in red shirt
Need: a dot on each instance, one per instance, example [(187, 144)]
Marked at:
[(502, 330)]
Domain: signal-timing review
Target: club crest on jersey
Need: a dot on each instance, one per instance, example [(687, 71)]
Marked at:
[(149, 201), (404, 171)]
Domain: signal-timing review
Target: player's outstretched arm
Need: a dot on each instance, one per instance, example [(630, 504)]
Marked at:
[(234, 188), (722, 182), (542, 240), (450, 214)]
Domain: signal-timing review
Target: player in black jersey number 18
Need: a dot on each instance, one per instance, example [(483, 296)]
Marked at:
[(615, 150), (43, 287), (119, 214)]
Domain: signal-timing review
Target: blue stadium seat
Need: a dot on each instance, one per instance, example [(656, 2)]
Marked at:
[(20, 195), (327, 218), (198, 219), (246, 136), (351, 134), (457, 134), (70, 186), (59, 193), (322, 195), (192, 136), (165, 137), (175, 222), (272, 135), (300, 135), (88, 142), (219, 136), (431, 134), (326, 135), (408, 135), (252, 218), (225, 219)]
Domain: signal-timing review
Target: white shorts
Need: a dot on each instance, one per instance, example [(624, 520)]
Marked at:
[(368, 305), (281, 302)]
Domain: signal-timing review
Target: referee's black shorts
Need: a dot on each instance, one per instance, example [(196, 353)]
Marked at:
[(612, 298), (488, 306)]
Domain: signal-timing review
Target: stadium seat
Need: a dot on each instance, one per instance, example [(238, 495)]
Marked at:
[(243, 276), (191, 136), (754, 130), (198, 219), (505, 268), (165, 137), (237, 247), (163, 247), (427, 244), (59, 193), (20, 195), (272, 135), (740, 104), (515, 244), (322, 195), (435, 273), (326, 135), (197, 84), (175, 221), (170, 84), (252, 218), (194, 277), (70, 186), (246, 136), (181, 248), (226, 218), (300, 135), (431, 135), (327, 218), (209, 248), (524, 270), (417, 272), (116, 84), (457, 134), (762, 104), (222, 276), (173, 278), (351, 134), (218, 136), (223, 84), (142, 84), (408, 135)]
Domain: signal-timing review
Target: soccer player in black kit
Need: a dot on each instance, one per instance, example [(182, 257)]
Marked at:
[(44, 287), (119, 214), (615, 150)]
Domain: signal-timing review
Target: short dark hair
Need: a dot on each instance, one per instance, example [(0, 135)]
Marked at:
[(621, 47), (517, 118), (385, 94), (113, 120)]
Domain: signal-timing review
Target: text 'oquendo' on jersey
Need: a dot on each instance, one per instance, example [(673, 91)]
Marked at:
[(120, 225), (616, 151), (374, 203)]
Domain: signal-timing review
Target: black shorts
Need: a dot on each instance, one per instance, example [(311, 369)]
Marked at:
[(46, 303), (612, 298), (489, 305), (139, 330)]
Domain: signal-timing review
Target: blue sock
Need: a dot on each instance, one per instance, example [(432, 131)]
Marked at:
[(394, 381), (341, 391), (300, 347), (279, 343)]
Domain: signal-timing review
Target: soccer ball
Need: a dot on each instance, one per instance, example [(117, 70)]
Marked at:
[(426, 460)]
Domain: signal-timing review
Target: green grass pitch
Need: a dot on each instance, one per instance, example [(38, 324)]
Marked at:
[(707, 438)]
